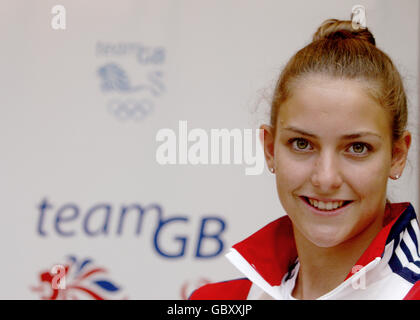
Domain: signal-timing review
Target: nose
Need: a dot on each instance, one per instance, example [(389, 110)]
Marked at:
[(326, 175)]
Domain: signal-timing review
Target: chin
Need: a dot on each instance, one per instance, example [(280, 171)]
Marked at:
[(325, 243), (325, 238)]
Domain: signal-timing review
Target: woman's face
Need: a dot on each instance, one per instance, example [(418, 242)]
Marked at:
[(332, 157)]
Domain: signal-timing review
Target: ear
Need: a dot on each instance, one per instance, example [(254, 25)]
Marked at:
[(399, 155), (267, 141)]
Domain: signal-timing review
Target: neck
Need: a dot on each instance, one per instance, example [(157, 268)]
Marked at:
[(323, 269)]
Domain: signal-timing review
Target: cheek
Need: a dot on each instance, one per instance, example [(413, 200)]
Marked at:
[(290, 173), (369, 179)]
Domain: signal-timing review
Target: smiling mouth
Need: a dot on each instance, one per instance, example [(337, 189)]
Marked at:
[(326, 205)]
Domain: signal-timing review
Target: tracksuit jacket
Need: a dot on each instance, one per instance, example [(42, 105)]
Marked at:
[(388, 269)]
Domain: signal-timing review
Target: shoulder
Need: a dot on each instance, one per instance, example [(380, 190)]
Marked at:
[(237, 289), (414, 293)]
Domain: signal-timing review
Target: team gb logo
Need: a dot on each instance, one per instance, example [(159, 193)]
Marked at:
[(77, 280)]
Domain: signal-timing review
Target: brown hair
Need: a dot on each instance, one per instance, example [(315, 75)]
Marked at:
[(339, 51)]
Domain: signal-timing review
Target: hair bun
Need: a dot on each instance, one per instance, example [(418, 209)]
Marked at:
[(342, 29)]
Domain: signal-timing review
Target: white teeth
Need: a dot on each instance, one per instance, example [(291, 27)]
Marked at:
[(325, 205)]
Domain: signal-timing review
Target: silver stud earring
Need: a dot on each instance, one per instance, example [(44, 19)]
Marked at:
[(397, 176), (272, 170)]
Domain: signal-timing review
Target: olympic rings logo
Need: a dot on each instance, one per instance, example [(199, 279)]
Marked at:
[(132, 109)]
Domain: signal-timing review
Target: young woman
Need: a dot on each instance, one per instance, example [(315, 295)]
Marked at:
[(337, 133)]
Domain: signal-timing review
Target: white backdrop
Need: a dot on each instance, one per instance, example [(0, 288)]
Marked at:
[(80, 111)]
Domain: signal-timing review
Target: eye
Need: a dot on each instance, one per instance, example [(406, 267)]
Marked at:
[(359, 148), (300, 144)]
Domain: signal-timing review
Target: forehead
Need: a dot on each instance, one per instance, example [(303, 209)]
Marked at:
[(328, 106)]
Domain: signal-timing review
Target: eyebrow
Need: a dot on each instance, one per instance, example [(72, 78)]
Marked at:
[(345, 137)]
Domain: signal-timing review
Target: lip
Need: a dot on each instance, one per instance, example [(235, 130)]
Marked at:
[(329, 213), (326, 200)]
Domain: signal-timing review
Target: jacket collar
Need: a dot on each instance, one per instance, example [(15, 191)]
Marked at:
[(271, 251)]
